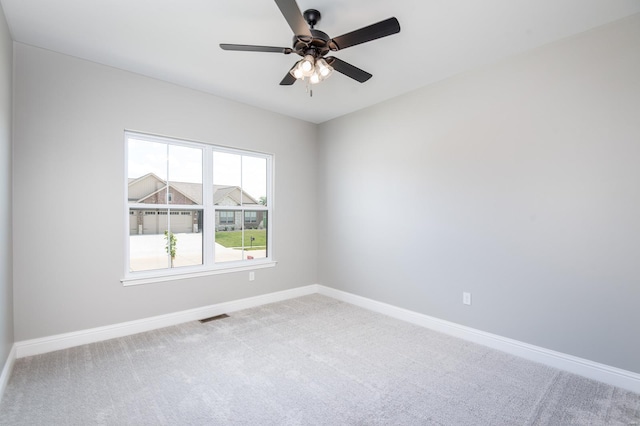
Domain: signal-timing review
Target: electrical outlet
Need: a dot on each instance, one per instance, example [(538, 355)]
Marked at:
[(252, 276), (466, 298)]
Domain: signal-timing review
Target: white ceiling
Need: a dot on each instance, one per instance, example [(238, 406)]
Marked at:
[(177, 41)]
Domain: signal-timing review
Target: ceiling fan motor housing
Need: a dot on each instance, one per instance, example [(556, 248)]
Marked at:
[(318, 46)]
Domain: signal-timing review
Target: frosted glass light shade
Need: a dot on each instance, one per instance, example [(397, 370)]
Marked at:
[(323, 68), (307, 65)]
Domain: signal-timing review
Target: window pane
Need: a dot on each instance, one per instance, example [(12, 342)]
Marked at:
[(254, 180), (185, 175), (146, 240), (226, 179), (234, 243), (226, 169), (147, 157), (256, 236), (149, 235), (229, 237), (147, 172), (187, 245)]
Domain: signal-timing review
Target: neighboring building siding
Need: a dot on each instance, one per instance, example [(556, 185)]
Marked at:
[(151, 190), (161, 196), (144, 187), (236, 225)]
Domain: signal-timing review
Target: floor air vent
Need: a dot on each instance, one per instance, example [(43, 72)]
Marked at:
[(217, 317)]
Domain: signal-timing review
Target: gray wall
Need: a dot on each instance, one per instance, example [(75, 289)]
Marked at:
[(69, 119), (518, 182), (6, 251)]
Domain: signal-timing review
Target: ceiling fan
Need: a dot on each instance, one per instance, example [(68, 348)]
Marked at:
[(313, 45)]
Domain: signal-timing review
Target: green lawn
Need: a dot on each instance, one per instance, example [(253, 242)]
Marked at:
[(233, 239)]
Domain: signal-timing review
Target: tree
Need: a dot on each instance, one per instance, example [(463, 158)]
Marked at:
[(263, 201), (170, 246)]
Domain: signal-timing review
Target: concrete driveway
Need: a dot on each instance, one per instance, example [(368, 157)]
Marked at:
[(148, 252)]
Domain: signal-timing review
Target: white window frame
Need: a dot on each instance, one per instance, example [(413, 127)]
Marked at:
[(208, 209)]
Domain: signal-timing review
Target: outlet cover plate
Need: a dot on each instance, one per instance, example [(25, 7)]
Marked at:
[(466, 298)]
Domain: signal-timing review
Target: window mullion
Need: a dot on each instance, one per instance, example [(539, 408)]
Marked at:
[(242, 204), (209, 210), (269, 208), (166, 200)]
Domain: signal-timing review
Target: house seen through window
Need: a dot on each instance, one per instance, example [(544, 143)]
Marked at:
[(194, 206)]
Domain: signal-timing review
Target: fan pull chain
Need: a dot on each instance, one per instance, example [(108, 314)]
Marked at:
[(309, 89)]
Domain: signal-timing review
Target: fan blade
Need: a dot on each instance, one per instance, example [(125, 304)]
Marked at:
[(363, 35), (252, 48), (347, 69), (288, 79), (292, 14)]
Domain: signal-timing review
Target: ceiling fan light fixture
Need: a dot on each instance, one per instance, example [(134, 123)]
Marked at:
[(307, 65), (323, 68), (315, 77), (296, 71)]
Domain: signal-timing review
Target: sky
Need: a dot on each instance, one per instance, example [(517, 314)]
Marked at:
[(185, 165)]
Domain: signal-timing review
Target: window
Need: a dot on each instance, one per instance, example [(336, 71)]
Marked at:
[(250, 217), (185, 205), (227, 217)]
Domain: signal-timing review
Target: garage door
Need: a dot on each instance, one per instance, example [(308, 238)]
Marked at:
[(155, 222), (181, 222), (133, 223)]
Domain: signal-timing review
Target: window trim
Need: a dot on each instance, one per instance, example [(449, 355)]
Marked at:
[(208, 209), (195, 271)]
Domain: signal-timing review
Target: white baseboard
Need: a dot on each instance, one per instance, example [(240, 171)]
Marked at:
[(67, 340), (593, 370), (583, 367), (6, 370)]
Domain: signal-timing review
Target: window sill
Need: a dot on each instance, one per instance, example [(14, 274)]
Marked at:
[(149, 278)]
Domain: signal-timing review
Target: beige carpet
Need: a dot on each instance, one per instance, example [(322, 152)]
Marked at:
[(306, 361)]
